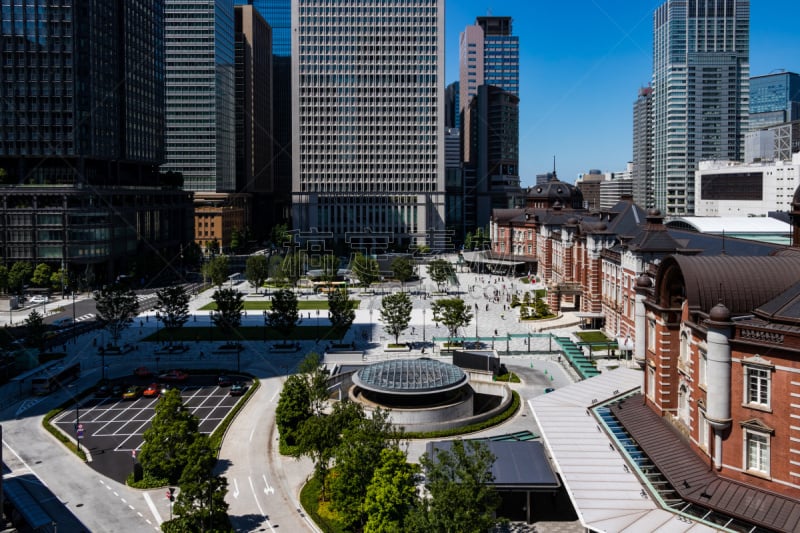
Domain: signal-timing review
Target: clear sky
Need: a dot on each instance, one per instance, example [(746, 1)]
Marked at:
[(582, 63)]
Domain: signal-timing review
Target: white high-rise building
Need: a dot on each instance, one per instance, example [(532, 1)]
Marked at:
[(701, 73), (368, 109)]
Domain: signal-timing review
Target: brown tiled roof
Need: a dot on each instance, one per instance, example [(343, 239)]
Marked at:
[(691, 477)]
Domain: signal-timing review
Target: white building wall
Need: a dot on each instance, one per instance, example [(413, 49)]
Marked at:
[(780, 181)]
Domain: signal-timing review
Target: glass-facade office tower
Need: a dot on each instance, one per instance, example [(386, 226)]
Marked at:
[(701, 73), (201, 131), (368, 135), (81, 138), (278, 14), (774, 99), (642, 170), (488, 55)]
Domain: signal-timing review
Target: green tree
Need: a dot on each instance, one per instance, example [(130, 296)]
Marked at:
[(280, 236), (18, 276), (453, 313), (217, 270), (391, 494), (330, 267), (365, 269), (172, 305), (341, 310), (236, 240), (201, 505), (462, 497), (402, 270), (540, 307), (41, 275), (294, 408), (59, 281), (34, 330), (292, 268), (256, 270), (357, 457), (468, 241), (117, 306), (165, 451), (3, 278), (396, 313), (440, 271), (228, 314), (283, 315), (276, 269)]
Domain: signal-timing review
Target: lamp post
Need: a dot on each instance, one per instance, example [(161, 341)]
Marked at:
[(158, 331), (74, 324), (370, 325), (477, 339), (266, 321), (317, 325), (423, 327)]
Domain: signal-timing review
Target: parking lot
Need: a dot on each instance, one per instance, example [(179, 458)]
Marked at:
[(113, 427)]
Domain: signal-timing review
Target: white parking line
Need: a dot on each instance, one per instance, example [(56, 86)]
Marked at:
[(149, 501)]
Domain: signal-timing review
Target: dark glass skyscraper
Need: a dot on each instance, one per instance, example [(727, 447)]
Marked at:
[(774, 99)]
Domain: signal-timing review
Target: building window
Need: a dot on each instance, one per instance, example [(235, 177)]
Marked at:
[(757, 382), (702, 430), (703, 367), (651, 382), (651, 335), (683, 404), (757, 450), (684, 349)]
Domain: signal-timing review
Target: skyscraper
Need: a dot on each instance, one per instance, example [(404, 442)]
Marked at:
[(774, 99), (278, 14), (82, 129), (642, 171), (701, 74), (488, 55), (368, 106), (201, 130)]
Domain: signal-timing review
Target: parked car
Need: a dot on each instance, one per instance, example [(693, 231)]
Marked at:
[(39, 299), (154, 389), (63, 322), (132, 393), (549, 389), (142, 372), (103, 389), (166, 387), (238, 388), (173, 375), (224, 381), (117, 389)]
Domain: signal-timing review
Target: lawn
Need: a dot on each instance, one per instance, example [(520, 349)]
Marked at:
[(592, 336), (261, 305), (301, 333)]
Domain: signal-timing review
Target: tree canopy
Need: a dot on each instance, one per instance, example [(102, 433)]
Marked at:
[(402, 269), (41, 275), (396, 313), (329, 264), (228, 314), (365, 269), (256, 270), (283, 315), (172, 305), (34, 330), (217, 270), (453, 313), (292, 267), (391, 494), (117, 306), (440, 271), (165, 451), (341, 310)]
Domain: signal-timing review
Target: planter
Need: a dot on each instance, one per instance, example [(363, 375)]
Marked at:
[(397, 348)]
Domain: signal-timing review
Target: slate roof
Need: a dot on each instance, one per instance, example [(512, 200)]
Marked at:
[(691, 477)]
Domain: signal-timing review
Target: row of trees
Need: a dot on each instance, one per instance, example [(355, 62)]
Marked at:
[(364, 472), (21, 273), (452, 313)]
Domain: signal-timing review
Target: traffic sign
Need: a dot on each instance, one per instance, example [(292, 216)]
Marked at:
[(133, 454), (80, 431)]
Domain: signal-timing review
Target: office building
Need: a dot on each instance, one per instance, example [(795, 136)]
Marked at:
[(278, 14), (701, 93), (455, 220), (774, 99), (201, 131), (615, 187), (589, 185), (488, 55), (82, 121), (774, 143), (452, 106), (368, 106), (642, 171), (254, 159)]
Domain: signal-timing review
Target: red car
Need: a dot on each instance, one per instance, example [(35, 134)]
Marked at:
[(153, 390), (142, 372), (174, 375)]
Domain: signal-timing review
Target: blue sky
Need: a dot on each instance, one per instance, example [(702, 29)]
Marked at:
[(582, 63)]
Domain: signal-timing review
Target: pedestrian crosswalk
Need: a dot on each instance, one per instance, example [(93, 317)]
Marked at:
[(88, 316)]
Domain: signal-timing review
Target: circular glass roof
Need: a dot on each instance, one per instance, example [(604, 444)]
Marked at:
[(410, 376)]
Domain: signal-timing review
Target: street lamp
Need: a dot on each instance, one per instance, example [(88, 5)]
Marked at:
[(370, 325), (158, 331), (74, 324), (266, 321), (317, 325), (423, 327), (477, 339)]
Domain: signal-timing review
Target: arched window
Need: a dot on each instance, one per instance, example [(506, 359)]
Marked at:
[(683, 404), (684, 353)]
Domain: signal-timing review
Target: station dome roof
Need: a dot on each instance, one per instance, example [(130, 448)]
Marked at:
[(410, 376)]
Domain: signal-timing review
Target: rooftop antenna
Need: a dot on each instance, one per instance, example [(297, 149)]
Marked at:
[(723, 242), (555, 177)]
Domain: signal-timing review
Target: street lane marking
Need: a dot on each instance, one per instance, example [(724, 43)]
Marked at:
[(252, 431), (269, 489), (235, 488), (149, 501)]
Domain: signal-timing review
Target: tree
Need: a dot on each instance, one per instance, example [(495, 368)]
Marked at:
[(19, 274), (462, 498), (283, 315), (365, 269), (172, 305), (391, 493), (236, 240), (402, 270), (396, 313), (356, 458), (201, 505), (228, 314), (34, 330), (3, 278), (117, 306), (292, 268), (41, 275), (294, 408), (453, 313), (330, 267), (440, 271), (58, 280), (275, 269), (256, 270), (217, 270), (280, 236), (341, 310), (165, 451)]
